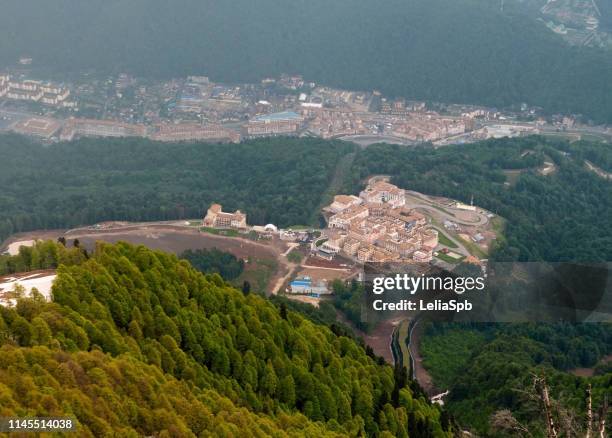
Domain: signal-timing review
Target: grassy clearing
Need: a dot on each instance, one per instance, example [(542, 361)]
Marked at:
[(474, 249), (295, 256), (444, 240), (258, 272), (403, 339), (219, 232), (448, 259), (513, 175)]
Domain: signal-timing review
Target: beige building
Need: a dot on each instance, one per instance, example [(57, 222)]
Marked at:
[(381, 192), (36, 91), (422, 256), (343, 219), (378, 227), (41, 127), (217, 218), (342, 202), (100, 128), (194, 132)]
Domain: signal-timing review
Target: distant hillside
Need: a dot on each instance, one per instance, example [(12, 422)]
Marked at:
[(445, 50), (138, 343)]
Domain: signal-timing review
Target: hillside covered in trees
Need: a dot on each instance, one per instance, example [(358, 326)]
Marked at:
[(211, 261), (464, 51), (489, 368), (138, 343)]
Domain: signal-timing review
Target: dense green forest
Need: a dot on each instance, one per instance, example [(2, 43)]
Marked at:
[(211, 261), (565, 216), (490, 367), (279, 181), (138, 342), (444, 50)]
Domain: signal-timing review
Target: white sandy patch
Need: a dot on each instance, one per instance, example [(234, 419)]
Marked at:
[(13, 248), (29, 282)]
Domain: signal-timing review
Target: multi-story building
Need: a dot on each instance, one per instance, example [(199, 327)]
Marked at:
[(285, 123), (379, 227), (35, 91), (381, 192), (423, 256), (40, 127), (351, 246), (343, 219), (194, 132), (100, 128), (343, 202), (217, 218)]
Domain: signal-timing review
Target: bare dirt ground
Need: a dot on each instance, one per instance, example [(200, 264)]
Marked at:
[(30, 236), (590, 372), (337, 263), (421, 374), (600, 172), (313, 301), (380, 338), (283, 280), (172, 238), (318, 274)]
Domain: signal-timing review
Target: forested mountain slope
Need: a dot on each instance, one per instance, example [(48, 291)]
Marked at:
[(140, 342), (446, 50), (503, 359)]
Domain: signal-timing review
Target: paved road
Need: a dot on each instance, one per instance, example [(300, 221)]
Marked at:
[(427, 204)]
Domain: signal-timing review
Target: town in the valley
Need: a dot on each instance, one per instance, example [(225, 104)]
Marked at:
[(197, 109)]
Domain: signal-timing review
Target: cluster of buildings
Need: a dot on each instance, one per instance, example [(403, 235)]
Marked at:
[(428, 127), (47, 128), (45, 93), (172, 132), (99, 128), (577, 21), (197, 109), (401, 107), (283, 123), (217, 218), (378, 227), (329, 123)]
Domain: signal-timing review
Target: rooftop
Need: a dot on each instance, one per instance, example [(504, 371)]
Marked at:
[(276, 117)]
